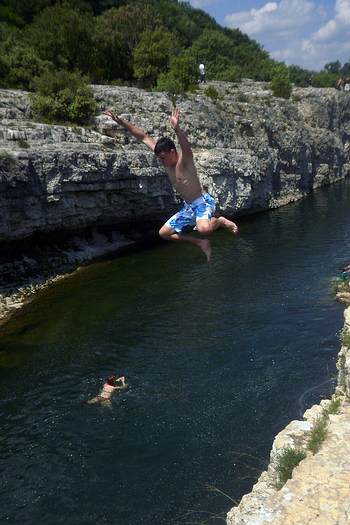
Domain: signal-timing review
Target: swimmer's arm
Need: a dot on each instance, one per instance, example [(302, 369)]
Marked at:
[(181, 135), (122, 380), (138, 133)]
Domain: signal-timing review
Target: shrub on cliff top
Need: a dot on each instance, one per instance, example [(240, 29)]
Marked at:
[(287, 460), (334, 406), (63, 97), (281, 86), (318, 434), (212, 93)]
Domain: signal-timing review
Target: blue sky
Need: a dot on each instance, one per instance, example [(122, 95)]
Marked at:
[(308, 33)]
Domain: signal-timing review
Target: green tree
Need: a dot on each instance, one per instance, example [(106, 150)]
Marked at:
[(333, 67), (186, 22), (279, 69), (117, 31), (230, 74), (181, 77), (130, 22), (23, 64), (64, 37), (324, 79), (152, 55), (4, 71), (9, 16), (20, 12), (215, 50), (254, 62), (345, 70), (221, 51), (299, 76), (112, 56)]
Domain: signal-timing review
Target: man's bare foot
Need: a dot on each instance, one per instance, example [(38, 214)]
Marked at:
[(229, 225), (205, 246)]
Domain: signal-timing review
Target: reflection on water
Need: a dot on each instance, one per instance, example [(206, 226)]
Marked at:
[(218, 358)]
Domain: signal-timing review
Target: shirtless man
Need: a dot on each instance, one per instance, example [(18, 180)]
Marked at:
[(198, 207)]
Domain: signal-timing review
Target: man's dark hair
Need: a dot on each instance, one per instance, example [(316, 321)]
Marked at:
[(164, 144)]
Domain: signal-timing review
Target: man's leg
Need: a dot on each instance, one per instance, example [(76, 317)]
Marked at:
[(222, 222), (207, 226), (169, 234), (205, 222)]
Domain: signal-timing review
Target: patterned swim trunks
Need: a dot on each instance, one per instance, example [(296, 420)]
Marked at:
[(201, 208)]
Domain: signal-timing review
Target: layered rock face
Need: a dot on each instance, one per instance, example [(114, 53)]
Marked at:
[(252, 150), (60, 183)]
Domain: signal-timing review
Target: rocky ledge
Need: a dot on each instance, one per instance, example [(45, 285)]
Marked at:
[(318, 491), (70, 193)]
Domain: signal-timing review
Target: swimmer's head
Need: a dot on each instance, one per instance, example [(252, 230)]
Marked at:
[(111, 380)]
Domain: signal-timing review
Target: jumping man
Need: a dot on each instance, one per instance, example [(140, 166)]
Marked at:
[(198, 206)]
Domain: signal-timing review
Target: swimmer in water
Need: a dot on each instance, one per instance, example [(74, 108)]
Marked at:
[(112, 385)]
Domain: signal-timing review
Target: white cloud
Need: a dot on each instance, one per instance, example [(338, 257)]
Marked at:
[(332, 40), (298, 32), (274, 19), (325, 32), (337, 25)]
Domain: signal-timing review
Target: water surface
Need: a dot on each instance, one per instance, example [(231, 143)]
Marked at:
[(219, 359)]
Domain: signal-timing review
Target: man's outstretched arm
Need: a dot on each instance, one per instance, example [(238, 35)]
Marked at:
[(181, 135), (138, 133)]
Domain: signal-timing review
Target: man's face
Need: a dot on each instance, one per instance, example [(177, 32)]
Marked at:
[(168, 158)]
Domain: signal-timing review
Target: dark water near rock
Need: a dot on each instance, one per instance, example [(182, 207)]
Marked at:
[(219, 359)]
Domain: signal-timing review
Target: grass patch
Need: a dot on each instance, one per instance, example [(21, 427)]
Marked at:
[(345, 338), (287, 460), (334, 406), (318, 434), (212, 93)]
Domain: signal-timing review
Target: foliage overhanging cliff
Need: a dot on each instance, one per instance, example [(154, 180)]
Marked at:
[(125, 41)]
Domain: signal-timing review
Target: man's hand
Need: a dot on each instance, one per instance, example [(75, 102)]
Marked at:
[(181, 135), (138, 133), (174, 119), (113, 116)]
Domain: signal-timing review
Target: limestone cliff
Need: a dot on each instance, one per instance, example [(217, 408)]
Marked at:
[(69, 193)]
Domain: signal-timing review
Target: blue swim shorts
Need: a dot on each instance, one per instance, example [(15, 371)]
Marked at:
[(201, 208)]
